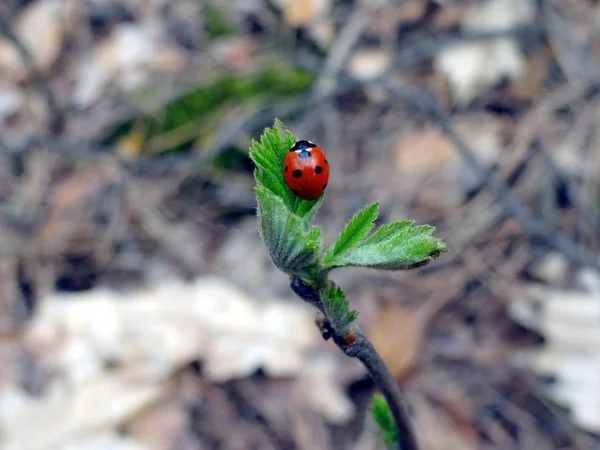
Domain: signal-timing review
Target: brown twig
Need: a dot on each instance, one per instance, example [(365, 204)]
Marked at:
[(356, 345)]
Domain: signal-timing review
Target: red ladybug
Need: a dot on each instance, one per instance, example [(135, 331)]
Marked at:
[(306, 170)]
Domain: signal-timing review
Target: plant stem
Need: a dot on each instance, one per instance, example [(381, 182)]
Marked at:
[(356, 345), (368, 355)]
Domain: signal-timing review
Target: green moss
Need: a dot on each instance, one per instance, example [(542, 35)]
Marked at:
[(195, 115), (215, 24)]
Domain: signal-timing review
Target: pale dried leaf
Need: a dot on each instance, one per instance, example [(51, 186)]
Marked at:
[(159, 329), (110, 354), (323, 32), (105, 441), (128, 57), (589, 279), (369, 64), (483, 133), (41, 30), (160, 426), (552, 268), (498, 15), (71, 416), (318, 387), (568, 320), (475, 66), (11, 101)]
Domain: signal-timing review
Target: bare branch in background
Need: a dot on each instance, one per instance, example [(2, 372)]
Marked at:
[(533, 226)]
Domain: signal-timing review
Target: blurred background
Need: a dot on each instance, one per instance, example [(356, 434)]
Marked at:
[(138, 307)]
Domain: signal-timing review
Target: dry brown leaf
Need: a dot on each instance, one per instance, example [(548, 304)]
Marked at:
[(70, 202), (531, 84), (429, 155), (436, 431), (397, 334), (410, 11), (159, 426), (299, 13), (450, 15), (423, 151)]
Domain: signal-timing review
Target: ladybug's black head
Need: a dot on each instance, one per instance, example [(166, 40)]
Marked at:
[(301, 146)]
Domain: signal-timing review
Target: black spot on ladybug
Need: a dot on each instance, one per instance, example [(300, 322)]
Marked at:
[(326, 162), (325, 185), (286, 168), (318, 169), (297, 173), (304, 154), (295, 191)]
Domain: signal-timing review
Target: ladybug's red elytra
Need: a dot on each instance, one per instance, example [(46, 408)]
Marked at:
[(306, 170)]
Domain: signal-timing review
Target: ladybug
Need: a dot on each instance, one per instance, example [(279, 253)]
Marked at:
[(306, 170)]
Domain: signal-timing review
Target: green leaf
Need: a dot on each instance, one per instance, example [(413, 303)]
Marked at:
[(308, 208), (292, 248), (337, 308), (397, 246), (355, 230), (387, 231), (385, 420), (268, 155)]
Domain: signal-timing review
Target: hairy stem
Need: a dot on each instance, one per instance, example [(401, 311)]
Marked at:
[(356, 345), (368, 355)]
